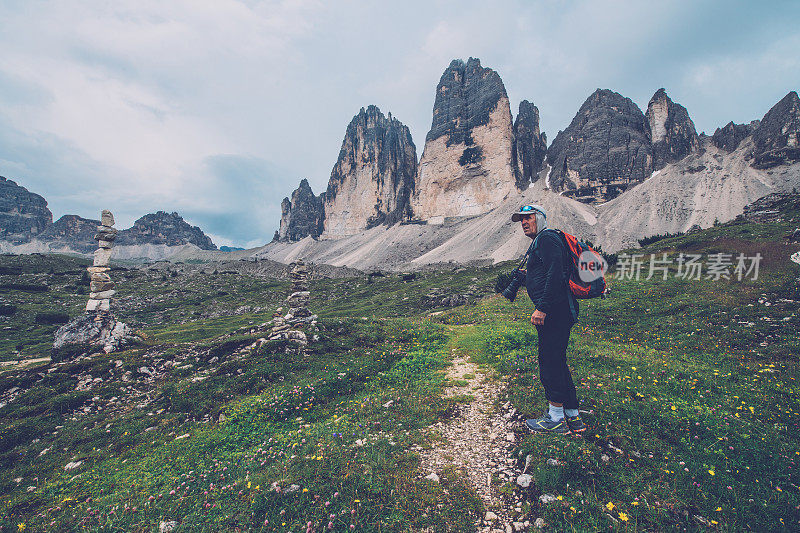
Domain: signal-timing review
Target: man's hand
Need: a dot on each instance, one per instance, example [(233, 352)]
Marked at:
[(537, 318)]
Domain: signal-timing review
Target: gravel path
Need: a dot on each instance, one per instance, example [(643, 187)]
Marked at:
[(479, 439)]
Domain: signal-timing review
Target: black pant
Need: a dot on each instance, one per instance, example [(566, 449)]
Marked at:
[(553, 370)]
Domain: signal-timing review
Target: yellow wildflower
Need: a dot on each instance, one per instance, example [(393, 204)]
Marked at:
[(623, 517), (609, 506), (711, 472)]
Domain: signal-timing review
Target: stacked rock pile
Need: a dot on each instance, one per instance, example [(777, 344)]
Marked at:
[(101, 287), (287, 326), (96, 328)]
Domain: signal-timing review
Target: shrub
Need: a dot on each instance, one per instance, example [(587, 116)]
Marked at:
[(48, 318)]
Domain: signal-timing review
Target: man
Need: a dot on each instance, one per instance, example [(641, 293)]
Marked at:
[(556, 312)]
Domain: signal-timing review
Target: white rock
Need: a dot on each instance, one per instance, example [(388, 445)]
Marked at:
[(605, 458), (547, 498), (524, 480), (433, 477), (167, 527), (72, 465), (539, 522), (510, 437), (490, 516)]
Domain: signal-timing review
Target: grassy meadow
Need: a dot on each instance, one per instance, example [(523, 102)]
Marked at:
[(690, 388)]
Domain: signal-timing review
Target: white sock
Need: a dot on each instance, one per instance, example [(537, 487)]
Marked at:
[(571, 412), (556, 413)]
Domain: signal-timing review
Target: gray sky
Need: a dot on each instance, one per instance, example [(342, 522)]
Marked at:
[(216, 109)]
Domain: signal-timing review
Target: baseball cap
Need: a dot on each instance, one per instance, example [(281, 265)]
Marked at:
[(528, 210)]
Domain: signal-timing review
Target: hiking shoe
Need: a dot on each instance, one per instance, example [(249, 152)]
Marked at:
[(575, 424), (547, 425)]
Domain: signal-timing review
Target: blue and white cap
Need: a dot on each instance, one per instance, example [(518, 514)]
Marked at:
[(537, 210)]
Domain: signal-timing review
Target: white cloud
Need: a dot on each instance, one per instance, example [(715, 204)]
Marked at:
[(125, 103)]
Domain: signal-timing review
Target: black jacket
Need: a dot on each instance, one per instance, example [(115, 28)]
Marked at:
[(546, 280)]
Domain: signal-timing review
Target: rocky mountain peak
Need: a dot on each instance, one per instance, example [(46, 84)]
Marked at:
[(731, 135), (672, 132), (169, 229), (23, 214), (73, 232), (467, 166), (530, 145), (777, 137), (373, 178), (465, 97), (302, 215), (605, 149)]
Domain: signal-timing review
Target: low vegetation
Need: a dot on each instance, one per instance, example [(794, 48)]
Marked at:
[(690, 388)]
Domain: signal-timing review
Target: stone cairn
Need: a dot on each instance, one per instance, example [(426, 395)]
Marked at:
[(288, 326), (97, 328), (101, 287)]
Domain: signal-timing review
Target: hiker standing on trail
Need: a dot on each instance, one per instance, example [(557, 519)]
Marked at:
[(556, 312)]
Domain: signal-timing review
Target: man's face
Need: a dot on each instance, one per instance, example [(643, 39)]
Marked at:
[(528, 223)]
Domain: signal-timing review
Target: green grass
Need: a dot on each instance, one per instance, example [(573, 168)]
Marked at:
[(683, 378)]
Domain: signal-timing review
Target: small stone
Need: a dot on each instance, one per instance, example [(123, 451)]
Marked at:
[(605, 458), (101, 257), (547, 498), (524, 480), (167, 526), (510, 437), (490, 516), (72, 465), (105, 244), (432, 477), (102, 295), (539, 522), (101, 286), (106, 218), (93, 305), (518, 526)]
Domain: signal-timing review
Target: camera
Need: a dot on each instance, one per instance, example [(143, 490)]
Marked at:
[(517, 280)]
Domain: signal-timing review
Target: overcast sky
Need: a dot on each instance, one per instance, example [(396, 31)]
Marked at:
[(216, 109)]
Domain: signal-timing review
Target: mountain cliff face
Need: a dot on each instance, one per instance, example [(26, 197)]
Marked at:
[(72, 232), (605, 149), (164, 228), (530, 145), (23, 214), (302, 215), (466, 166), (777, 136), (373, 178), (672, 132), (731, 135)]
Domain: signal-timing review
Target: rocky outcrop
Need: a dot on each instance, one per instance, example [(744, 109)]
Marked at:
[(530, 145), (672, 132), (72, 232), (302, 215), (23, 214), (731, 135), (373, 178), (164, 228), (467, 166), (604, 151), (777, 137)]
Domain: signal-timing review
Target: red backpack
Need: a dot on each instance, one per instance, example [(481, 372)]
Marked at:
[(589, 263)]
